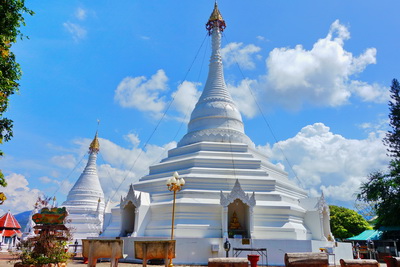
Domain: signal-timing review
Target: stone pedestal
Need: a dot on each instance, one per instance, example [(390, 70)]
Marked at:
[(306, 259), (359, 263), (159, 249), (228, 262)]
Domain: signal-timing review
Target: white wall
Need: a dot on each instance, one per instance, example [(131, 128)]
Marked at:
[(197, 251)]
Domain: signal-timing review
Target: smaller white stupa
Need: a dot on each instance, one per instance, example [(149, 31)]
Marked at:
[(29, 230), (85, 201)]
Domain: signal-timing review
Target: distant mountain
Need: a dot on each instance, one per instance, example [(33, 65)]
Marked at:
[(23, 218)]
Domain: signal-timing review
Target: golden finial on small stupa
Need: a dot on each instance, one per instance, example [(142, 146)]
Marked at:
[(216, 15), (94, 145), (2, 198)]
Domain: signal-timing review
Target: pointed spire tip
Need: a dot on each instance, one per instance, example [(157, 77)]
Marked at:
[(215, 20), (94, 145), (215, 15)]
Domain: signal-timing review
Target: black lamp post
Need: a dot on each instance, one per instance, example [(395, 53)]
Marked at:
[(76, 246), (227, 247)]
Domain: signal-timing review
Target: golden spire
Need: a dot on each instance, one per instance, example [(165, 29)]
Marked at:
[(94, 145), (215, 20), (215, 15)]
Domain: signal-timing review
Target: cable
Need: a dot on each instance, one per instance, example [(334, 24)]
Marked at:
[(109, 175), (202, 62), (69, 175), (264, 117), (230, 146), (189, 108), (160, 120)]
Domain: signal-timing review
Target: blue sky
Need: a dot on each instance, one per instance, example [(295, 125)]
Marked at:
[(319, 70)]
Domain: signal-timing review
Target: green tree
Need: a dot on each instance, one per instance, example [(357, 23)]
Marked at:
[(381, 187), (346, 223), (392, 139), (11, 19)]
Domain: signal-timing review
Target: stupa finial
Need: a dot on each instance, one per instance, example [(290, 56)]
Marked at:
[(94, 145), (215, 20)]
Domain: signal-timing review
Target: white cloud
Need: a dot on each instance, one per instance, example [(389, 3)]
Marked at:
[(244, 95), (320, 76), (64, 161), (370, 92), (236, 52), (124, 158), (54, 186), (46, 180), (126, 166), (20, 197), (143, 94), (345, 191), (78, 32), (133, 139), (120, 166), (114, 181), (381, 126), (185, 98), (341, 31), (80, 13), (329, 162)]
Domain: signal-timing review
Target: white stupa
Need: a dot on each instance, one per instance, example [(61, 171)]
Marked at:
[(85, 201), (231, 191), (29, 230)]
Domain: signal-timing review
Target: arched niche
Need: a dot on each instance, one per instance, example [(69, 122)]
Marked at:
[(129, 213), (238, 219), (238, 200), (128, 219)]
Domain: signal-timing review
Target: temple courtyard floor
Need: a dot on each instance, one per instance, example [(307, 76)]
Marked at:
[(6, 261)]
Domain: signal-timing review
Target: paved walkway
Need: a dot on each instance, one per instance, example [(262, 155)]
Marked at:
[(5, 259)]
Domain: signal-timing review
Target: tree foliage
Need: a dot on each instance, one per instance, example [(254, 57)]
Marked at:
[(11, 19), (392, 139), (346, 223), (383, 188)]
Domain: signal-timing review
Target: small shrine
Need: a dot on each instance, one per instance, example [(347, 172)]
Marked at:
[(48, 245), (9, 230), (50, 223)]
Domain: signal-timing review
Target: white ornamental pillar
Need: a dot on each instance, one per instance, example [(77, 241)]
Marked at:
[(251, 222), (135, 226), (225, 221)]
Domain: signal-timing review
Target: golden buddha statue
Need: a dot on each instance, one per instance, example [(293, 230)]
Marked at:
[(234, 224)]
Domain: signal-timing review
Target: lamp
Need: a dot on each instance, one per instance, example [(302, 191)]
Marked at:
[(227, 247), (174, 184)]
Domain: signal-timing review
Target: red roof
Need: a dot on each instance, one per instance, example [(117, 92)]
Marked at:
[(10, 233), (9, 221)]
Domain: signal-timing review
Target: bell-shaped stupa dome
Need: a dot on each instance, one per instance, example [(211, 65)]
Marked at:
[(215, 117)]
